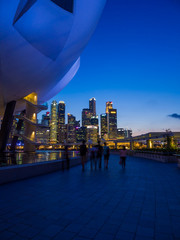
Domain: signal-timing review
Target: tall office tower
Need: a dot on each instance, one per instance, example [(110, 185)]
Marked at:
[(81, 134), (62, 133), (71, 128), (112, 123), (46, 119), (109, 105), (62, 128), (92, 134), (92, 106), (95, 122), (43, 134), (61, 112), (53, 123), (104, 126), (86, 117)]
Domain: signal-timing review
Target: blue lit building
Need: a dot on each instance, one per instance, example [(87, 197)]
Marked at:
[(40, 44)]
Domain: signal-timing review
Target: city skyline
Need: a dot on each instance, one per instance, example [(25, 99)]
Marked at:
[(93, 128), (65, 114), (133, 60)]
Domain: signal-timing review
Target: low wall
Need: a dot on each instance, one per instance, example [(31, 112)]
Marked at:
[(19, 172), (155, 156)]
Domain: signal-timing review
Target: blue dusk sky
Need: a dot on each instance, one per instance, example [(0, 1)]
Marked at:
[(133, 59)]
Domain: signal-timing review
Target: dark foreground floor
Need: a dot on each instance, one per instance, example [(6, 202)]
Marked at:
[(142, 202)]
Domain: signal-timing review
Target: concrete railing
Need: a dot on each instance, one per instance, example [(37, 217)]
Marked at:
[(160, 157), (20, 172)]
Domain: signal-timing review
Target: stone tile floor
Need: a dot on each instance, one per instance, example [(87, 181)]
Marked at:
[(138, 203)]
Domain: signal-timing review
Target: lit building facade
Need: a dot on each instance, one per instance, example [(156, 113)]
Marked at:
[(43, 135), (62, 128), (92, 106), (61, 112), (104, 126), (53, 123), (86, 117), (92, 134), (112, 123), (71, 128), (81, 133)]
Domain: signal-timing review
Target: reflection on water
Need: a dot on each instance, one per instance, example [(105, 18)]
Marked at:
[(20, 158)]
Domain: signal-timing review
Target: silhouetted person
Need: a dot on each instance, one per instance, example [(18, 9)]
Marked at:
[(106, 155), (123, 154), (99, 153), (83, 151)]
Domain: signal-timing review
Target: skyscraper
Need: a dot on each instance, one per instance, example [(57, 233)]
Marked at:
[(61, 112), (53, 123), (81, 134), (112, 123), (92, 134), (46, 119), (109, 105), (86, 117), (71, 128), (92, 106), (104, 126), (61, 122)]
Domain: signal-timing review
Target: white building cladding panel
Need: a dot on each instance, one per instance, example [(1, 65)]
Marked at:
[(40, 42)]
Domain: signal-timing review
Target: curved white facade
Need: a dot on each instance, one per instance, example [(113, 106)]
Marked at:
[(40, 44)]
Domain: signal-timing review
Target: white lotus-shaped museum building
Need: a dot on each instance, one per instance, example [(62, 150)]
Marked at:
[(40, 45)]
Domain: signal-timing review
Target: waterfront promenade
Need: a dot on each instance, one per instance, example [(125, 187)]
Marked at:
[(142, 202)]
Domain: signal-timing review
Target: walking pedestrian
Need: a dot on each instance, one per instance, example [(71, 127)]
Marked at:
[(106, 155), (123, 154), (83, 152)]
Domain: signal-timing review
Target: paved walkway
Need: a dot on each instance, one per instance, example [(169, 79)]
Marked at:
[(142, 202)]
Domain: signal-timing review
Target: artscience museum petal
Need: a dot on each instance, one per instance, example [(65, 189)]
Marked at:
[(40, 42)]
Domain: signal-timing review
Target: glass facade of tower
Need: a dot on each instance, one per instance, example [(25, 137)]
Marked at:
[(86, 117), (92, 134), (62, 128), (112, 123), (104, 126), (81, 134), (71, 128), (53, 123), (61, 112), (92, 106)]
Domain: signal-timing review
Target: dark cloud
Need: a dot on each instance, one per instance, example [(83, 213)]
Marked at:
[(174, 115)]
